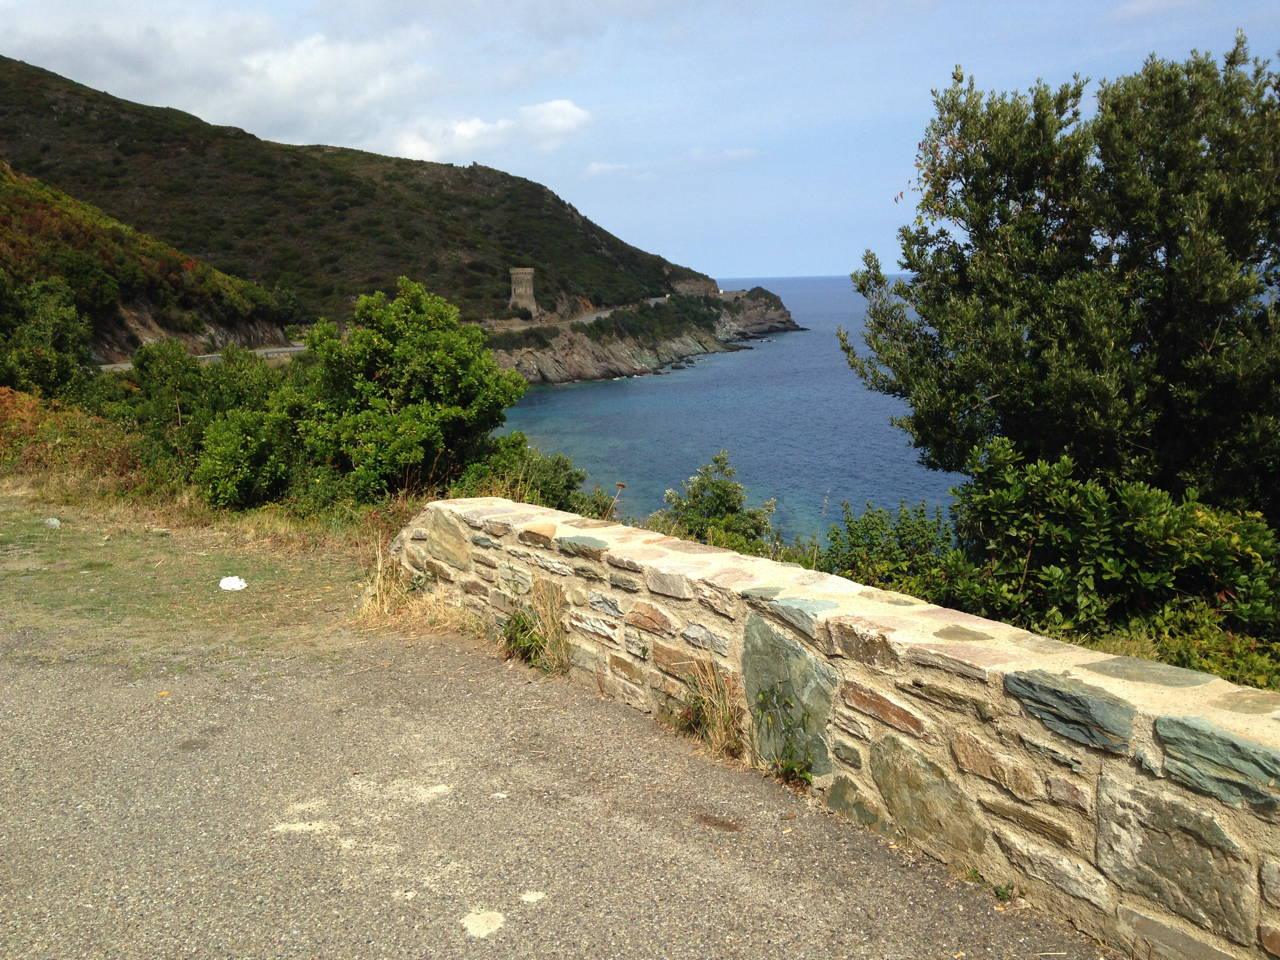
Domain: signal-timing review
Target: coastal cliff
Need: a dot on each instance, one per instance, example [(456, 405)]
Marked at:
[(605, 348)]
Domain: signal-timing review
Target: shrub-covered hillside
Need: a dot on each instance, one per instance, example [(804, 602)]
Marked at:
[(329, 223), (124, 282)]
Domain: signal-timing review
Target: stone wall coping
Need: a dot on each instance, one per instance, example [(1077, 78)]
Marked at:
[(823, 608)]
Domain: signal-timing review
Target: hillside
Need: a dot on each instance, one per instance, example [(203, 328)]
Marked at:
[(132, 286), (326, 222)]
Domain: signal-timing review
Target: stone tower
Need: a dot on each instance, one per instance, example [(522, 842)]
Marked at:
[(522, 290)]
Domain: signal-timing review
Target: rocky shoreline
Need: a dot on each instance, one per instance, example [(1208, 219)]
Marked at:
[(744, 316)]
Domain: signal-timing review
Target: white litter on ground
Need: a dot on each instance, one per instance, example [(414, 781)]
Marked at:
[(480, 923), (232, 583)]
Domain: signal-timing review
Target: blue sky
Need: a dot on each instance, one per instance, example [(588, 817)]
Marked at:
[(740, 138)]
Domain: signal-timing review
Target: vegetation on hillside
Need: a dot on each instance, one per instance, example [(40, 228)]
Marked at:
[(325, 222), (110, 268), (651, 323)]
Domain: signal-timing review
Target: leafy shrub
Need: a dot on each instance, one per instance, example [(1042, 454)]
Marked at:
[(712, 507), (1123, 565), (649, 323), (900, 550), (245, 458), (517, 471), (407, 396), (529, 338), (44, 340), (1096, 280)]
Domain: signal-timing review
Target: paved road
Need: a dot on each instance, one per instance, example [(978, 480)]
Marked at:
[(266, 352), (421, 799)]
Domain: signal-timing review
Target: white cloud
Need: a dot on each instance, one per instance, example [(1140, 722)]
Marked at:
[(554, 119), (544, 125), (599, 168), (1141, 9), (384, 87)]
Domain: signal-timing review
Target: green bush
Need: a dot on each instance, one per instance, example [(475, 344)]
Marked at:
[(245, 459), (406, 397), (650, 323), (530, 338), (711, 506), (44, 340), (1122, 565), (1096, 280), (523, 473), (520, 472), (900, 551)]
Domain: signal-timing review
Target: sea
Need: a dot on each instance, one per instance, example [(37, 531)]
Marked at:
[(799, 425)]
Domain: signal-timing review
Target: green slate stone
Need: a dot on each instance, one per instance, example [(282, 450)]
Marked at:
[(1147, 671), (1214, 762), (1074, 709), (772, 661), (845, 798), (923, 802), (801, 613), (592, 548)]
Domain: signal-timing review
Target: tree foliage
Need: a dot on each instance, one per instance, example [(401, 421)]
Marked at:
[(1099, 287), (711, 506), (44, 340)]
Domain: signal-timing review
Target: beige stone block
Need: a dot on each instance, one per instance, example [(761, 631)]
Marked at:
[(1269, 935), (1066, 873), (668, 584), (1032, 820), (673, 660), (538, 534), (1161, 940), (1179, 853), (625, 667), (1271, 882), (1068, 793), (864, 640), (978, 757)]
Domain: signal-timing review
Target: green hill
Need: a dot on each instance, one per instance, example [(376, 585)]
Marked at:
[(326, 222), (130, 285)]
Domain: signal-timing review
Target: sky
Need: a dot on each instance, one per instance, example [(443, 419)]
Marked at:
[(740, 138)]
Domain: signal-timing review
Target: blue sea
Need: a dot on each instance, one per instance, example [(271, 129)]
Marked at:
[(798, 424)]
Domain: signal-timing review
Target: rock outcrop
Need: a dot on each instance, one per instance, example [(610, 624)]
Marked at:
[(572, 355)]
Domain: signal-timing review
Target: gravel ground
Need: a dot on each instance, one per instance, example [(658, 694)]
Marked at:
[(422, 799)]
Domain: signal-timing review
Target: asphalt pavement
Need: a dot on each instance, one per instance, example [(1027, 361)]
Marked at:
[(425, 800)]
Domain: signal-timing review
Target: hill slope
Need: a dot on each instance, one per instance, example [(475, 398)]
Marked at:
[(328, 223), (132, 286)]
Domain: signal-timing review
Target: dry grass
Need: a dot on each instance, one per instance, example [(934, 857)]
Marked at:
[(714, 710), (392, 600), (536, 634)]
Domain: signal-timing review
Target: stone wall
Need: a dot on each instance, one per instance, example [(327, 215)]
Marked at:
[(1138, 800)]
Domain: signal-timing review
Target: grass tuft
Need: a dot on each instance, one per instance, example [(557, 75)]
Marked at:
[(536, 634), (713, 710)]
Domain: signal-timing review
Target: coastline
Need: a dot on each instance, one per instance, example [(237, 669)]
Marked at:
[(572, 356)]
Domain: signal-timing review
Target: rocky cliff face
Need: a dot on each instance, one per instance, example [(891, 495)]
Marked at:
[(571, 355)]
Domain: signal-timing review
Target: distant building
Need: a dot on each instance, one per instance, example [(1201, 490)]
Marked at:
[(522, 290)]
